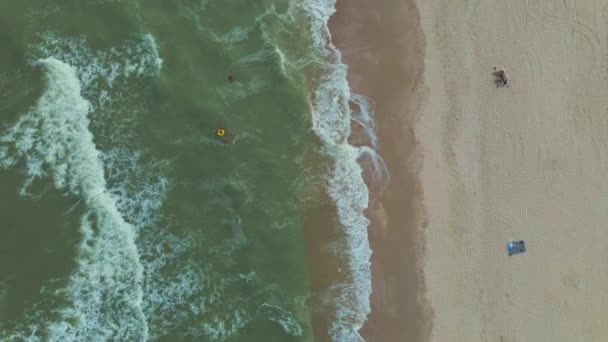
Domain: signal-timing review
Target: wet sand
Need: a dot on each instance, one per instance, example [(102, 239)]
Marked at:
[(473, 166), (383, 46)]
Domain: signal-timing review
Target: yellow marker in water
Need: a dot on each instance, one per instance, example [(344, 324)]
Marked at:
[(220, 132)]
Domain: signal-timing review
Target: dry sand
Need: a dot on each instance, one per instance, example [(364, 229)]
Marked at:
[(526, 162)]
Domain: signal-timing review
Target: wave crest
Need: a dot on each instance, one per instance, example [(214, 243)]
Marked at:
[(105, 291)]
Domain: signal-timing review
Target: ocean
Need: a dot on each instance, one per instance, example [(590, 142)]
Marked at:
[(125, 217)]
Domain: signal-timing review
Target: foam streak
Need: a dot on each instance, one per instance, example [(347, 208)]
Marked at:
[(105, 290), (331, 119)]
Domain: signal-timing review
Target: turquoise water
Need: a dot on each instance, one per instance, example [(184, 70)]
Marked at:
[(124, 217)]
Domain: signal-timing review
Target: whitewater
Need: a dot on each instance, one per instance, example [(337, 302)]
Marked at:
[(175, 234), (332, 117), (53, 139)]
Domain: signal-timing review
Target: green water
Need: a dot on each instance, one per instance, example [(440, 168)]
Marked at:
[(217, 228)]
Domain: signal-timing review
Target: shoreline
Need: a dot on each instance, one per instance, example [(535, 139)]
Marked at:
[(383, 47)]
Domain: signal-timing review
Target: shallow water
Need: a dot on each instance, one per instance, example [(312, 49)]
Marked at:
[(124, 217)]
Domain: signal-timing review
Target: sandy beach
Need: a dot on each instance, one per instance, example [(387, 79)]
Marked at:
[(383, 46), (527, 162), (473, 166)]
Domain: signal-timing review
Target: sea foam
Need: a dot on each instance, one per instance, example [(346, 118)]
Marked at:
[(102, 72), (331, 120), (105, 290), (166, 282)]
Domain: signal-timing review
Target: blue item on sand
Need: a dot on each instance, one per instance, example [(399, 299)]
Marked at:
[(516, 247)]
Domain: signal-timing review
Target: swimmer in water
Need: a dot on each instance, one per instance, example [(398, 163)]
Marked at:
[(224, 135)]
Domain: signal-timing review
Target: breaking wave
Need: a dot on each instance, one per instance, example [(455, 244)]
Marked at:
[(332, 118), (105, 291), (102, 72), (84, 86)]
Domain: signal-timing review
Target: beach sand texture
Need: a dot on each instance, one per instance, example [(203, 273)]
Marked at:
[(382, 44), (526, 162)]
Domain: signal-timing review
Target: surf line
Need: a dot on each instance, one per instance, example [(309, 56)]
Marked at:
[(331, 122), (105, 290)]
